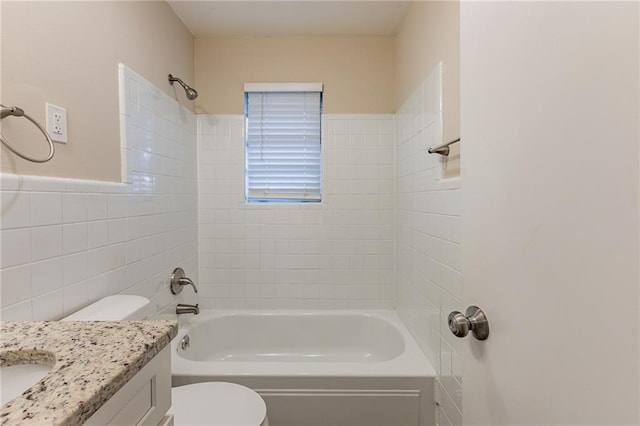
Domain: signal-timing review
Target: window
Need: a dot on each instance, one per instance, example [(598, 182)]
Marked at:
[(283, 139)]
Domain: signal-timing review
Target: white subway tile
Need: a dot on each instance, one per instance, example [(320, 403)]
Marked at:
[(16, 285), (16, 209), (452, 411), (117, 256), (97, 234), (16, 247), (46, 208), (116, 206), (49, 306), (21, 311), (74, 297), (74, 268), (97, 261), (74, 208), (46, 242), (74, 237), (117, 231), (98, 288), (46, 276), (138, 227)]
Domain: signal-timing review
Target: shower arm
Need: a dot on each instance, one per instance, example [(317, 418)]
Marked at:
[(182, 83), (190, 91)]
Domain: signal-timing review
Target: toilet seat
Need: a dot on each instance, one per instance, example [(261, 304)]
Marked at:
[(217, 403)]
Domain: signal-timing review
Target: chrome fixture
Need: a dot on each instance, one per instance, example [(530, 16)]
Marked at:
[(179, 280), (191, 92), (474, 320), (185, 343), (183, 308), (19, 112), (442, 149)]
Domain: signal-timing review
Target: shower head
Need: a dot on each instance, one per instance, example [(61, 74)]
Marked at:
[(191, 92)]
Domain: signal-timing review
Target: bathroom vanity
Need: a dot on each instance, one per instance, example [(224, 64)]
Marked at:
[(102, 372)]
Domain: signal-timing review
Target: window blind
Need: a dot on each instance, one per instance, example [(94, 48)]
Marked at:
[(283, 153)]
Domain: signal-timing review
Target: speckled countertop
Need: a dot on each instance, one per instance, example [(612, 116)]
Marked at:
[(91, 361)]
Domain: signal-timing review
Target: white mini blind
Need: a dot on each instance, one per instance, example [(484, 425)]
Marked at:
[(283, 152)]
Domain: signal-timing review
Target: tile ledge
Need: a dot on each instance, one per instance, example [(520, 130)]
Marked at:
[(14, 182)]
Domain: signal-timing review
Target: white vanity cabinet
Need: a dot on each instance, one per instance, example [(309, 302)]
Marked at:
[(143, 400)]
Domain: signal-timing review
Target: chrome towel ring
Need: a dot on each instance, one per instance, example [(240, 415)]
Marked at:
[(19, 112)]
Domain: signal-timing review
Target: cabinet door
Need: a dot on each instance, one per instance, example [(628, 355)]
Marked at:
[(144, 400)]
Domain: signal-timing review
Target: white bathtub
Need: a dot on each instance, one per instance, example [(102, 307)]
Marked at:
[(313, 368)]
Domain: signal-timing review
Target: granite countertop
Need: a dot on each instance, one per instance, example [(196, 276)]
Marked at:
[(91, 361)]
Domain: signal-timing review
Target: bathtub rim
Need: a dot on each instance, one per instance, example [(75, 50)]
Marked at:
[(412, 362)]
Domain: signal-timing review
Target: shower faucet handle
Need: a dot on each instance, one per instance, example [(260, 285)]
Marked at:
[(179, 280)]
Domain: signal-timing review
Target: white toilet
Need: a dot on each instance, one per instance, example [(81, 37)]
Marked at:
[(209, 403)]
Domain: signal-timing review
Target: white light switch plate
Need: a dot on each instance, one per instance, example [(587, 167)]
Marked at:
[(57, 123)]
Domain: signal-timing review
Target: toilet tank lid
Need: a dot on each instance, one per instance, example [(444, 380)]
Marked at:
[(114, 308)]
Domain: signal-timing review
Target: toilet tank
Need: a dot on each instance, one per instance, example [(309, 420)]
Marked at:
[(114, 308)]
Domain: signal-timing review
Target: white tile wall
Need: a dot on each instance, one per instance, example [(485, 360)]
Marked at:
[(66, 243), (334, 254), (428, 281)]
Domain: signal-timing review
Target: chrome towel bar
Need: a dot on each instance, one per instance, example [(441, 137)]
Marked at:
[(442, 149)]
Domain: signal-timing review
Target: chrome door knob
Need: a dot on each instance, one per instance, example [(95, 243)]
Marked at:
[(473, 320)]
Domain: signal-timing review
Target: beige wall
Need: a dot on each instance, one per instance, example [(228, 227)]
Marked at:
[(357, 71), (430, 34), (66, 53)]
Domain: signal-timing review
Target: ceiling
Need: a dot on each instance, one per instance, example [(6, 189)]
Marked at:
[(270, 18)]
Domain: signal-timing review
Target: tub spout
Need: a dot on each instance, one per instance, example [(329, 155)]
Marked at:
[(183, 308)]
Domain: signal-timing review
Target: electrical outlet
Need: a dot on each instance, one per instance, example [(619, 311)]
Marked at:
[(57, 123)]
